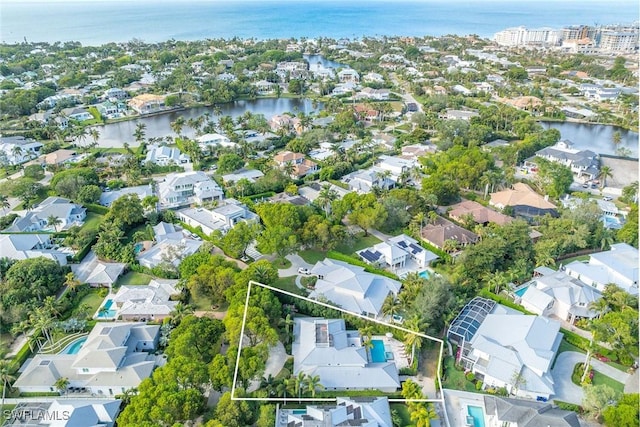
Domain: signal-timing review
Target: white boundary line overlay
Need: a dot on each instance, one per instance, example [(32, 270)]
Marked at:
[(334, 399)]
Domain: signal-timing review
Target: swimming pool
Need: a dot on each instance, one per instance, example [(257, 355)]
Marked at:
[(477, 413), (611, 222), (138, 247), (520, 292), (377, 352), (74, 347), (299, 411), (425, 274), (107, 313)]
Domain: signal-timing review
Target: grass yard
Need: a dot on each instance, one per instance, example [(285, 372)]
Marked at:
[(599, 379), (403, 412), (455, 379), (92, 300), (360, 242), (133, 278), (92, 222), (575, 258), (288, 284), (312, 255), (565, 346)]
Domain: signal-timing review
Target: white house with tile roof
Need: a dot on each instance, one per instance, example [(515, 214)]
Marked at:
[(324, 347), (352, 288), (114, 358)]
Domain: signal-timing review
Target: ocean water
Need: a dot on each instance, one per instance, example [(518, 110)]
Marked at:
[(96, 22)]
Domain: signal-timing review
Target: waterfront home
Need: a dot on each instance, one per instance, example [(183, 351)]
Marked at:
[(67, 213), (555, 293), (598, 92), (401, 254), (350, 287), (182, 189), (114, 358), (375, 94), (524, 201), (152, 302), (324, 347), (264, 87), (147, 103), (60, 157), (619, 266), (214, 140), (25, 246), (301, 165), (348, 75), (348, 411), (506, 411), (171, 245), (441, 230), (112, 110), (497, 343), (16, 150), (415, 151), (79, 114), (585, 164), (108, 197), (162, 155), (480, 214), (115, 93), (67, 412), (223, 218)]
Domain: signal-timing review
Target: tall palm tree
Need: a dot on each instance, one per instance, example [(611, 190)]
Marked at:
[(53, 221), (177, 125), (17, 152), (7, 377), (325, 197), (413, 341), (313, 384), (391, 305), (605, 172), (139, 132), (289, 168), (300, 383), (71, 282), (95, 135)]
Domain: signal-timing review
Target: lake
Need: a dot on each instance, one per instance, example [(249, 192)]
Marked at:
[(326, 63), (115, 134), (594, 137)]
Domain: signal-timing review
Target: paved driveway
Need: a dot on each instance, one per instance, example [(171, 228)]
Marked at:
[(566, 390), (296, 263)]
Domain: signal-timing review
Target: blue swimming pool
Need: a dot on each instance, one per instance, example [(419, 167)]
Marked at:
[(299, 411), (611, 222), (520, 292), (477, 413), (106, 312), (138, 247), (425, 274), (377, 351), (74, 347)]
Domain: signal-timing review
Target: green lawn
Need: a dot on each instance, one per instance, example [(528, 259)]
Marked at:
[(360, 242), (403, 413), (133, 278), (6, 410), (599, 379), (93, 300), (575, 258), (565, 346), (288, 284), (92, 222), (312, 255), (455, 379)]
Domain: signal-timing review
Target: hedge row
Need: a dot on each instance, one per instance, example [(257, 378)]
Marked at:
[(91, 207), (351, 260)]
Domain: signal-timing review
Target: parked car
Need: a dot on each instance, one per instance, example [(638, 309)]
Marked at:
[(607, 198), (303, 270)]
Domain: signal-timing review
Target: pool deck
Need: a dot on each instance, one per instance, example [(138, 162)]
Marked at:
[(392, 345), (456, 403)]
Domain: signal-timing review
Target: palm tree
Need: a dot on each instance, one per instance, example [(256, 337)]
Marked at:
[(391, 306), (422, 414), (95, 135), (17, 152), (450, 245), (600, 306), (313, 384), (413, 341), (54, 221), (289, 168), (616, 138), (4, 203), (7, 377), (325, 197), (300, 382), (139, 133), (179, 312), (71, 282), (605, 172), (177, 126), (62, 384), (417, 224)]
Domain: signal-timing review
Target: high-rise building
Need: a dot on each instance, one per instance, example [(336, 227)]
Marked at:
[(615, 41)]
